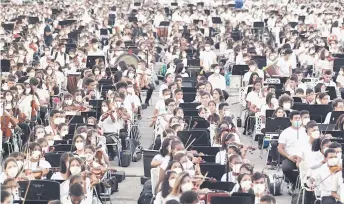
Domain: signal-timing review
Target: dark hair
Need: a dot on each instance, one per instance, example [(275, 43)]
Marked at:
[(317, 88), (4, 195), (336, 101), (335, 145), (328, 151), (293, 113), (169, 165), (76, 190), (256, 176), (188, 197), (269, 97), (223, 105), (73, 178), (309, 91), (165, 185), (311, 124), (274, 114), (164, 145), (318, 143), (268, 198), (168, 101), (304, 112), (65, 158), (225, 138), (173, 202), (250, 81)]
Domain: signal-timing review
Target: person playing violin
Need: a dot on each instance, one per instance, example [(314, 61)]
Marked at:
[(323, 177)]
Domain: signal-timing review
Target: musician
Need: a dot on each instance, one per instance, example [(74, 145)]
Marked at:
[(244, 184), (10, 169), (166, 187), (182, 184), (62, 174), (338, 105), (324, 176), (285, 64), (323, 98), (234, 163), (259, 186), (29, 105), (79, 144), (6, 197), (253, 68), (54, 121)]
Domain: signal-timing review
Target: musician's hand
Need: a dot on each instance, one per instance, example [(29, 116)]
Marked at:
[(152, 123), (292, 158)]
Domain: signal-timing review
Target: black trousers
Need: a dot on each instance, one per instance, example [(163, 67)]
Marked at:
[(110, 141), (328, 200), (288, 168), (150, 90), (273, 151)]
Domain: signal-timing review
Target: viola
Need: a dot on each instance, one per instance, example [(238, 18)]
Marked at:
[(335, 169)]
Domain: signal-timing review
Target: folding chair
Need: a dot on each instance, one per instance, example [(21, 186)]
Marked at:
[(154, 178)]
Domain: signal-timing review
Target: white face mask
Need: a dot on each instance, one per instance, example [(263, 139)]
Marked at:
[(12, 172), (207, 48), (74, 170), (341, 72), (332, 161), (118, 104), (69, 102), (57, 121), (50, 143), (187, 187), (105, 109), (84, 135), (259, 188), (63, 50), (79, 145), (45, 149), (246, 185), (89, 157), (78, 98), (286, 106), (130, 90), (40, 135), (236, 168), (62, 120), (315, 134), (178, 170), (131, 75), (171, 182), (20, 91), (64, 133), (305, 121), (49, 72), (184, 55), (227, 113), (96, 72), (217, 71)]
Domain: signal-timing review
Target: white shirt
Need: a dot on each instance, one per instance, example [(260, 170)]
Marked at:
[(165, 162), (291, 137), (340, 79), (162, 87), (60, 58), (208, 58), (34, 165), (331, 83), (323, 179), (231, 177), (337, 182), (25, 105), (160, 106), (57, 176), (284, 66), (221, 157), (217, 81), (255, 98), (108, 126), (98, 52), (328, 118), (304, 151)]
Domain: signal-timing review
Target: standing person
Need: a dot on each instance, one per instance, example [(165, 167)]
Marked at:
[(48, 33), (207, 58)]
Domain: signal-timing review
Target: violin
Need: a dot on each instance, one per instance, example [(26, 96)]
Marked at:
[(335, 169), (34, 107)]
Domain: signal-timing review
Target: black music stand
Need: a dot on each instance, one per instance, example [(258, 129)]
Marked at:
[(190, 113), (300, 106), (219, 185), (193, 63), (91, 60), (318, 112), (277, 125), (297, 99), (201, 137), (5, 65), (331, 90), (76, 119), (270, 112), (231, 199), (197, 122), (96, 103), (208, 158), (239, 70), (53, 158), (206, 149), (214, 170), (40, 190), (334, 116), (239, 194), (189, 105), (63, 148)]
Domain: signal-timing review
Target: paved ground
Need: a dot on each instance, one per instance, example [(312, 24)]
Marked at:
[(129, 189)]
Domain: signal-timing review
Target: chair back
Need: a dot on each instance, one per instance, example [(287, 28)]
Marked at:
[(303, 169), (154, 178)]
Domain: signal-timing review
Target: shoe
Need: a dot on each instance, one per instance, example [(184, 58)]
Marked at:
[(260, 146)]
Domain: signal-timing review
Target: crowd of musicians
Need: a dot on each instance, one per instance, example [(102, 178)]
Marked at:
[(75, 73)]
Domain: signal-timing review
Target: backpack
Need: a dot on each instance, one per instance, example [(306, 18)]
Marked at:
[(146, 195)]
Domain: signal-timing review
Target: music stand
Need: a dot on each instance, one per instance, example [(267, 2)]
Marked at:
[(331, 90), (216, 20), (240, 70), (53, 158), (76, 119), (197, 123), (219, 185), (189, 105), (190, 113), (250, 195), (58, 142), (318, 112), (334, 116), (5, 65), (297, 99), (208, 158), (274, 125), (40, 190), (95, 103), (91, 60), (63, 148), (270, 112), (193, 63), (231, 199), (201, 137), (206, 149), (214, 170)]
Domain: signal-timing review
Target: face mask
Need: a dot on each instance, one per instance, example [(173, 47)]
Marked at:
[(305, 121), (89, 157), (130, 90), (297, 123), (50, 143), (96, 72), (63, 50), (64, 133), (36, 154), (341, 72), (246, 185), (40, 135), (315, 134), (78, 98), (326, 148), (118, 104), (227, 113), (57, 121), (69, 102), (49, 72), (259, 188), (20, 91), (79, 145), (217, 71), (286, 106), (105, 109), (8, 98), (207, 48), (187, 187), (171, 182), (131, 75), (332, 161), (12, 172), (28, 91), (178, 170), (236, 168), (74, 170), (166, 97)]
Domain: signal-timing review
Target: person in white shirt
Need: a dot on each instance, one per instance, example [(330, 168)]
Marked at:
[(338, 105), (284, 63), (327, 79), (288, 145), (95, 51), (323, 177), (340, 78), (217, 80), (61, 56), (234, 162), (207, 58), (253, 67)]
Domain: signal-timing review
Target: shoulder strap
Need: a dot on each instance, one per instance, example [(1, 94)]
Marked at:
[(55, 56)]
